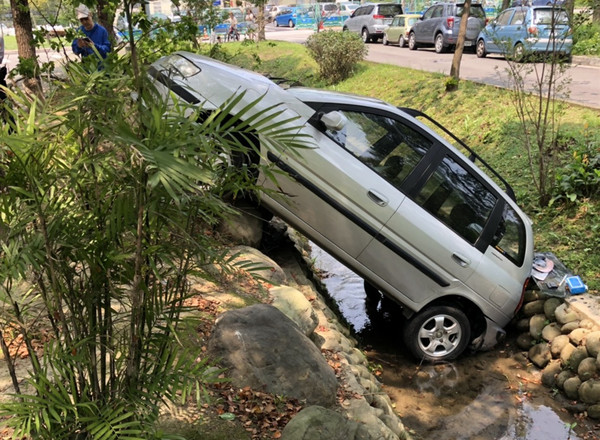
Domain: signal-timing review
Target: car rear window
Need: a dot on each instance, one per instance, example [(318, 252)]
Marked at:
[(390, 10), (546, 15), (475, 11)]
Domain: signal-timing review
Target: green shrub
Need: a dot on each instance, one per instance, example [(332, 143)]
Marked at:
[(581, 177), (336, 53), (587, 39)]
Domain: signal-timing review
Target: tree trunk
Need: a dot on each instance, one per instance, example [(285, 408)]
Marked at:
[(106, 16), (505, 5), (458, 51), (261, 22), (596, 12), (26, 49)]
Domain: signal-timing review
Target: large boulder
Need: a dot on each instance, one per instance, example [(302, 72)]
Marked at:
[(318, 423), (295, 306), (265, 350)]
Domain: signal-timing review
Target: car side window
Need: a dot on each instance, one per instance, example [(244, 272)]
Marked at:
[(400, 21), (384, 144), (504, 18), (518, 18), (428, 13), (509, 238), (457, 198), (438, 12)]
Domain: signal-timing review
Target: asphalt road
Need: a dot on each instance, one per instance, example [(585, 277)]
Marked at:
[(583, 84)]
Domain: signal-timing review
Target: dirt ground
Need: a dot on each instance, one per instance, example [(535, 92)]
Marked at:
[(481, 396)]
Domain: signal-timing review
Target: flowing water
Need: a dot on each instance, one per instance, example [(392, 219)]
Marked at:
[(486, 395)]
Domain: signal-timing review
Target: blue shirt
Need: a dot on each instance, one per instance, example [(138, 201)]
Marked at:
[(99, 36)]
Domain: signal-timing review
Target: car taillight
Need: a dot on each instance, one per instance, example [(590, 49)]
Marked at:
[(450, 22), (487, 20), (522, 296), (532, 30), (378, 17)]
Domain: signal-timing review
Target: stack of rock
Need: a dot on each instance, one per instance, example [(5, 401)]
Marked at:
[(565, 344)]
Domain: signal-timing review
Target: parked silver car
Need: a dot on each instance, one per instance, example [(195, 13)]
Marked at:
[(371, 19), (439, 25), (390, 198)]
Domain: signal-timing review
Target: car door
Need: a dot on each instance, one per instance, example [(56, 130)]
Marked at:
[(346, 188), (427, 27), (393, 32), (431, 245), (495, 33)]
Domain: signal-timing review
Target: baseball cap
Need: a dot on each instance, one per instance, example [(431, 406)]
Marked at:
[(82, 12)]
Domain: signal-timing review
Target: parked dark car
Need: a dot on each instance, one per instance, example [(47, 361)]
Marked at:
[(371, 19), (440, 24), (524, 30)]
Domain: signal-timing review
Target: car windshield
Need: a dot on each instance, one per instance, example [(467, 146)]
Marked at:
[(390, 10), (475, 11), (547, 15)]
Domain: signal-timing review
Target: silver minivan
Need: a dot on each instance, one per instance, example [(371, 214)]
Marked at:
[(436, 230), (371, 19)]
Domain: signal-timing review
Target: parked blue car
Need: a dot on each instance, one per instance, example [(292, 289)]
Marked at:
[(287, 17), (525, 30)]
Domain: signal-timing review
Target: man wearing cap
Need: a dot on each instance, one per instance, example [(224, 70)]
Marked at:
[(96, 36)]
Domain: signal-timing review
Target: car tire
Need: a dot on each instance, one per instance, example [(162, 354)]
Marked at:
[(518, 54), (365, 36), (402, 41), (412, 42), (438, 333), (480, 49), (439, 44), (291, 23)]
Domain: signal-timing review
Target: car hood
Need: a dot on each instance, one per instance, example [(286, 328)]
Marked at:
[(201, 80)]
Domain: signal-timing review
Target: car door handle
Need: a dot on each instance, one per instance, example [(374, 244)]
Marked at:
[(377, 198), (461, 259)]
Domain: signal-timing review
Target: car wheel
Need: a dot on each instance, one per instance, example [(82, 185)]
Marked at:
[(480, 49), (344, 29), (519, 53), (401, 41), (385, 40), (412, 42), (439, 44), (291, 23), (365, 36), (439, 333)]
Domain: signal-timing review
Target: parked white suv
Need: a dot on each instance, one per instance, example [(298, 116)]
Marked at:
[(371, 19), (388, 197)]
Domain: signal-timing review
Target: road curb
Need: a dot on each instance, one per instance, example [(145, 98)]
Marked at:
[(582, 60)]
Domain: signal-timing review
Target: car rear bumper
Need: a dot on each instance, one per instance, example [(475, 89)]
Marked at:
[(545, 45)]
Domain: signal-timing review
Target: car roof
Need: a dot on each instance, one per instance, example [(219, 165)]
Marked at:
[(307, 94)]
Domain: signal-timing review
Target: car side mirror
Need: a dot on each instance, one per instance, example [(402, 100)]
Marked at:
[(334, 120)]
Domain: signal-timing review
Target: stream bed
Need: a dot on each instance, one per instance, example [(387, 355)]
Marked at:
[(481, 396)]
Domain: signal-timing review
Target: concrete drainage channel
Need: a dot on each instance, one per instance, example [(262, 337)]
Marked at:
[(541, 384)]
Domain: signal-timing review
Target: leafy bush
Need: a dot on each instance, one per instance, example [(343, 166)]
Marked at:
[(580, 178), (587, 39), (336, 53)]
